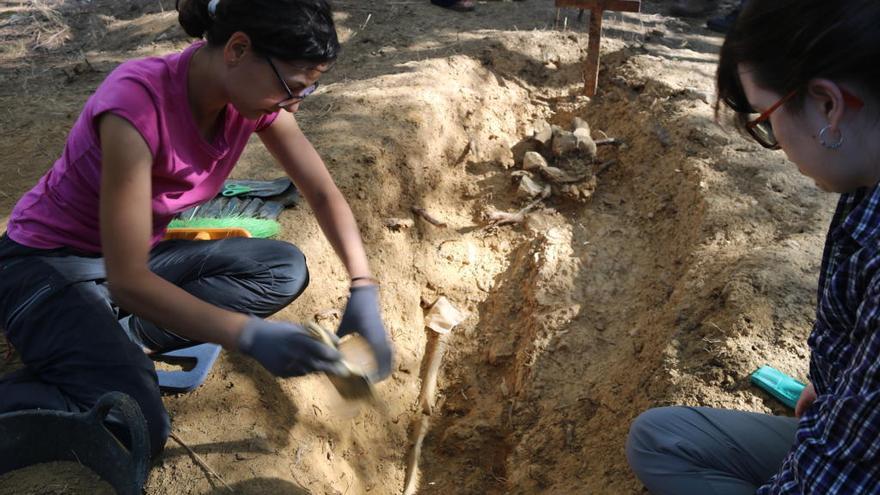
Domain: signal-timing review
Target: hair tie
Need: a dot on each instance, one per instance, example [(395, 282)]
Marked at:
[(212, 8)]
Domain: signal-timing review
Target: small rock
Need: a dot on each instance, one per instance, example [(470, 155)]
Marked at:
[(579, 123), (497, 151), (399, 223), (663, 136), (564, 143), (585, 143), (533, 161), (550, 66), (528, 188), (589, 187), (521, 148), (558, 175), (543, 132)]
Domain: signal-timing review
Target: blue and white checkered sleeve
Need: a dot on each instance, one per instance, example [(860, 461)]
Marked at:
[(837, 447)]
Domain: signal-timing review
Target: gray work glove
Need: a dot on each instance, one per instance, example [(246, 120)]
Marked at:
[(286, 349), (362, 316)]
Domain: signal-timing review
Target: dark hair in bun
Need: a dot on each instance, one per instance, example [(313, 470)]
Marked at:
[(290, 30)]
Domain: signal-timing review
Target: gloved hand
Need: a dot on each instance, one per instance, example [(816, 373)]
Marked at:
[(286, 349), (362, 316)]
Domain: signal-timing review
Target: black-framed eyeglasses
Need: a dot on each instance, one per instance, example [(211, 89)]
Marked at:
[(292, 99)]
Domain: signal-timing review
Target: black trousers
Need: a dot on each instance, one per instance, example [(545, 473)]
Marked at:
[(57, 313)]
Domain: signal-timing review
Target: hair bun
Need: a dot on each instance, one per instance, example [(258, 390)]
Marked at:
[(193, 17)]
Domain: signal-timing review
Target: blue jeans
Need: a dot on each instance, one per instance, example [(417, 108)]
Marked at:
[(57, 312), (700, 450)]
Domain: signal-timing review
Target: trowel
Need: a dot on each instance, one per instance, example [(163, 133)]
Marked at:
[(357, 359)]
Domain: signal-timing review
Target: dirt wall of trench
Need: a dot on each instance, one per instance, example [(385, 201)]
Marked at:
[(692, 263)]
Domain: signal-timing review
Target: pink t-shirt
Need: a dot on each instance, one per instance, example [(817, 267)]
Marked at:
[(151, 94)]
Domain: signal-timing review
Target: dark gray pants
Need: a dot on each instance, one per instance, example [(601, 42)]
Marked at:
[(699, 450), (57, 313)]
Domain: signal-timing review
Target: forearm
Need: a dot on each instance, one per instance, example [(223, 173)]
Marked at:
[(168, 306), (339, 226), (302, 163)]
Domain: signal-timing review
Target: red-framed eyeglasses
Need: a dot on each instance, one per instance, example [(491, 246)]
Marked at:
[(762, 131)]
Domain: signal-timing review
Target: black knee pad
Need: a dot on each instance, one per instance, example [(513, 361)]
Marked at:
[(158, 425), (142, 385)]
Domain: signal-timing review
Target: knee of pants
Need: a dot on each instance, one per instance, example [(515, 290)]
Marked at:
[(290, 271), (644, 433)]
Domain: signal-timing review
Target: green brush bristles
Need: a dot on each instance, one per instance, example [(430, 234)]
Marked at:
[(258, 227)]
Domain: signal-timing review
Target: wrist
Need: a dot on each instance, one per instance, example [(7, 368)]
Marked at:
[(364, 280), (244, 333)]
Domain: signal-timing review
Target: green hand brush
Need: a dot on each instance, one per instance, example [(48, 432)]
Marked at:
[(258, 227)]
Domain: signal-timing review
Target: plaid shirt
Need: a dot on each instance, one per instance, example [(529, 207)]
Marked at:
[(837, 446)]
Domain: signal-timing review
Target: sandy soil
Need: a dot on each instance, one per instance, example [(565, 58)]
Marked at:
[(694, 261), (56, 478)]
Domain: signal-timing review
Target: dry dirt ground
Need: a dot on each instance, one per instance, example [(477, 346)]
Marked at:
[(694, 261)]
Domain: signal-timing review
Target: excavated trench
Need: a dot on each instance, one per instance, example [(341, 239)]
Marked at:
[(571, 337), (579, 318)]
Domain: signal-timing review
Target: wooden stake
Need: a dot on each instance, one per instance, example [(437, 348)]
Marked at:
[(591, 67), (596, 8)]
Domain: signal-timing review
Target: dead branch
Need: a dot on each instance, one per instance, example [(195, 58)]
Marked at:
[(499, 218), (427, 216), (204, 465), (605, 166), (559, 176)]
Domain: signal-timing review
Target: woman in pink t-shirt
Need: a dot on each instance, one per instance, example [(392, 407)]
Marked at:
[(87, 282)]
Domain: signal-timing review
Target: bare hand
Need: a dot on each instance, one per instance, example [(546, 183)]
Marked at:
[(808, 396)]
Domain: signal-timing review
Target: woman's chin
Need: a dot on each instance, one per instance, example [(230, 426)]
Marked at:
[(835, 188), (824, 187)]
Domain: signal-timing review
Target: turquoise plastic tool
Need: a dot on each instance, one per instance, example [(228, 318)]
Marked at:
[(230, 190), (781, 386)]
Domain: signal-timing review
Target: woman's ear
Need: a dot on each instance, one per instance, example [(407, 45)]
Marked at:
[(827, 98), (236, 48)]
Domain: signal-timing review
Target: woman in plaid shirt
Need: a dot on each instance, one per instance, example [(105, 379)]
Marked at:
[(802, 76)]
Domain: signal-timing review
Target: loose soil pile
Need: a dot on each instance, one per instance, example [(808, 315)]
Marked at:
[(54, 478), (691, 261)]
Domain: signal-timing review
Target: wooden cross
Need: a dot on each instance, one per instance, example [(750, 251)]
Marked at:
[(597, 8)]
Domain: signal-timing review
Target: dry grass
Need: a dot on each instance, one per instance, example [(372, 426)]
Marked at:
[(29, 26), (50, 29)]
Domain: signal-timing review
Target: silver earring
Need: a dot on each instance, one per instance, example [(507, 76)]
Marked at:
[(823, 134)]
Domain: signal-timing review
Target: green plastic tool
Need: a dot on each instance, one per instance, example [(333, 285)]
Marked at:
[(778, 384), (230, 190)]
